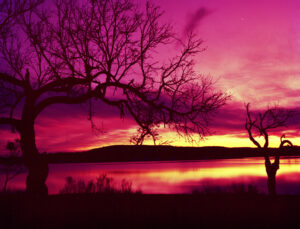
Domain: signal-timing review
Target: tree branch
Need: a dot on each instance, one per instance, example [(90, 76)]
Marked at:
[(270, 119), (65, 99), (15, 123), (12, 80)]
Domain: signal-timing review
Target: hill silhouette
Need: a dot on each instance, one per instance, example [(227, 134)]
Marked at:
[(131, 153)]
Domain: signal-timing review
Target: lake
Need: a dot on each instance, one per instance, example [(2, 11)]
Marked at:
[(170, 177)]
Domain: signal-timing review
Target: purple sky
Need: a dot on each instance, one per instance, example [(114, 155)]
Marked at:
[(252, 52)]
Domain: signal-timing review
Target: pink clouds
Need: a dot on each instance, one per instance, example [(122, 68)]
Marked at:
[(253, 47), (196, 18), (253, 51), (69, 129)]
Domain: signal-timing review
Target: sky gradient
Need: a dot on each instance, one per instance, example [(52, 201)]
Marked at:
[(252, 53)]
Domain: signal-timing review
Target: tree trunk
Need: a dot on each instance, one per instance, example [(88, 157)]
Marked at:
[(271, 169), (36, 164)]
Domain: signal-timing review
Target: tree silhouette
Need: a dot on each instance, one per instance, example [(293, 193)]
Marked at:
[(261, 124), (78, 52), (103, 184), (11, 9)]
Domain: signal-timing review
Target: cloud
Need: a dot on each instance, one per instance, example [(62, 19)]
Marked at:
[(231, 120), (69, 133), (195, 19)]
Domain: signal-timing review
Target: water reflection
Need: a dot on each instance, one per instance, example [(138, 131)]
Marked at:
[(179, 177), (9, 172)]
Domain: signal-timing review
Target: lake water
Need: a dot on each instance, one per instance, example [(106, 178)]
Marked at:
[(177, 177)]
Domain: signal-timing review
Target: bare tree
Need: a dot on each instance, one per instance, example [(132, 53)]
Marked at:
[(83, 51), (10, 10), (261, 124)]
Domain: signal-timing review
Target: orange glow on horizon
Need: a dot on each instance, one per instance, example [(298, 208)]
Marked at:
[(228, 140)]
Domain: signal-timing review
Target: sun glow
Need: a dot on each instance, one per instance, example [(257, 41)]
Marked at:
[(172, 138)]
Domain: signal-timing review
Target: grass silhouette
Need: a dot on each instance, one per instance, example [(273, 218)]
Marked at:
[(103, 184)]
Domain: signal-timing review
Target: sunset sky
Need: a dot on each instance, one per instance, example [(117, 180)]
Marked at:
[(252, 53)]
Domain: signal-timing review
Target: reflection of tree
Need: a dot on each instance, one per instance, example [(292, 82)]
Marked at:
[(10, 171), (261, 124), (81, 51)]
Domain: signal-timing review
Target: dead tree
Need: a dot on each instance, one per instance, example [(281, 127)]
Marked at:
[(260, 125), (100, 50), (10, 10)]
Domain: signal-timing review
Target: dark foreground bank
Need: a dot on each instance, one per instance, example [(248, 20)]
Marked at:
[(149, 211)]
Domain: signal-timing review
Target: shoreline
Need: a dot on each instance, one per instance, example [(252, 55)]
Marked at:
[(154, 153)]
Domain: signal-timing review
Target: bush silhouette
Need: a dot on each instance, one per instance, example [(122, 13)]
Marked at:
[(103, 184)]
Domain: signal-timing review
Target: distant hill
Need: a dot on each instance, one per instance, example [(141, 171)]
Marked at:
[(127, 153)]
